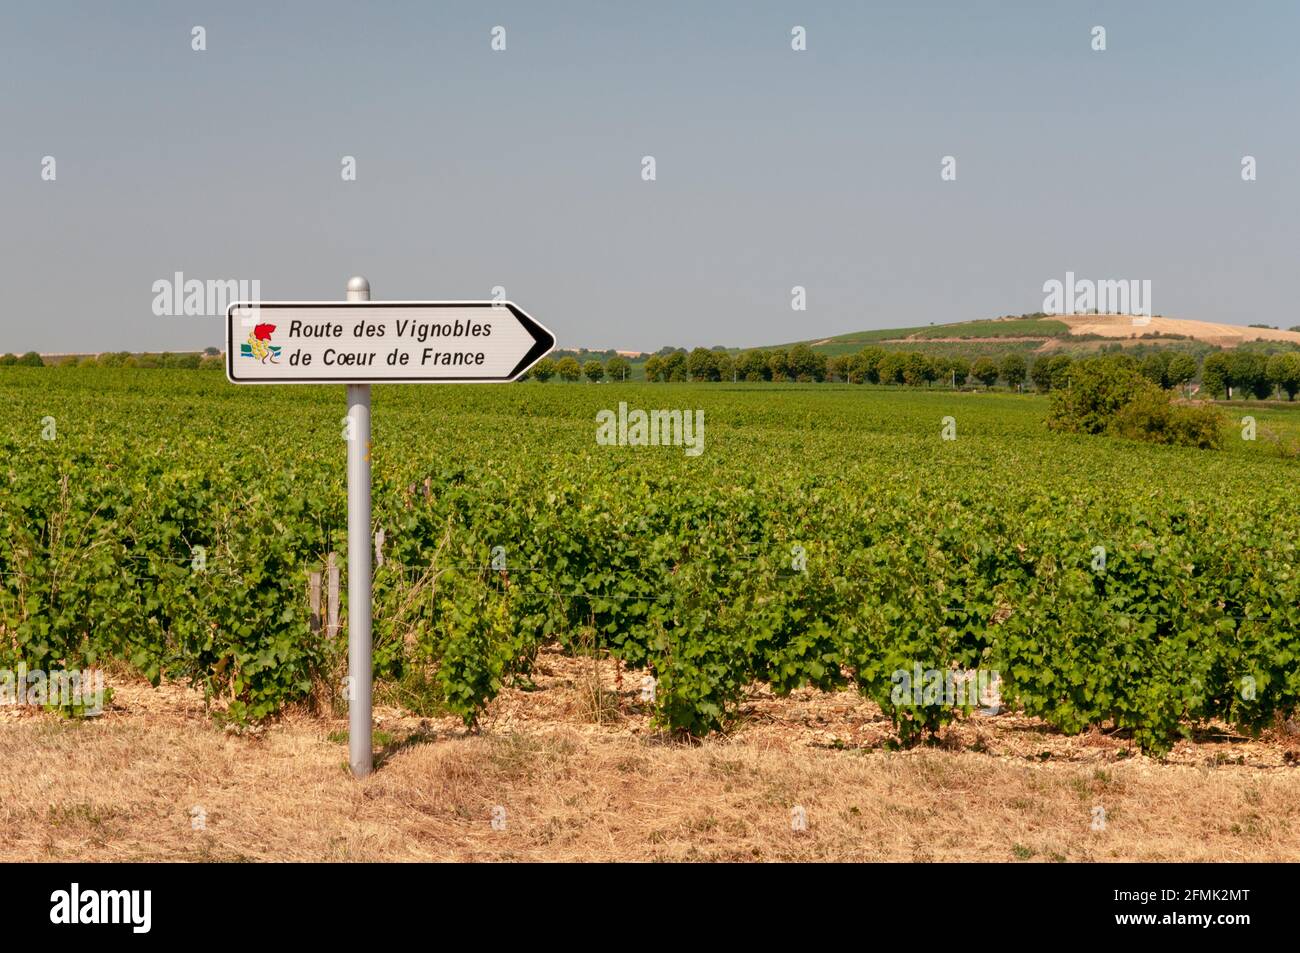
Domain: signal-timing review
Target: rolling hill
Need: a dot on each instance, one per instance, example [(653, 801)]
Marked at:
[(1045, 333)]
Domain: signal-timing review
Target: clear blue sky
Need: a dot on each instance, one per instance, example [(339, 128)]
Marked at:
[(523, 168)]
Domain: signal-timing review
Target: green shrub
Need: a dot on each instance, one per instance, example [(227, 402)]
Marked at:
[(1096, 389), (1153, 417)]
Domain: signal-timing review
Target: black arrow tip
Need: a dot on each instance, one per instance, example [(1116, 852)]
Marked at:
[(543, 341)]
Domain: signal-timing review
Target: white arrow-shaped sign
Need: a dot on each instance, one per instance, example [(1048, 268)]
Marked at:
[(378, 342)]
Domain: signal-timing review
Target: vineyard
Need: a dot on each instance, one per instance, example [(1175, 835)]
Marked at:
[(827, 536)]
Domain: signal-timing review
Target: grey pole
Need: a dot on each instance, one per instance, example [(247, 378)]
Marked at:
[(360, 665)]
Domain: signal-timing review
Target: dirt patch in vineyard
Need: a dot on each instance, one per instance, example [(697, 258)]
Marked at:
[(572, 769)]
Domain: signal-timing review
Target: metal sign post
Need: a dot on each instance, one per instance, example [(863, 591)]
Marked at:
[(358, 342), (360, 596)]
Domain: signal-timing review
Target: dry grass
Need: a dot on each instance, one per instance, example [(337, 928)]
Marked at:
[(122, 787)]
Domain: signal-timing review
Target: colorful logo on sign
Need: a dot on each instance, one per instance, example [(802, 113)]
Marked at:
[(259, 346)]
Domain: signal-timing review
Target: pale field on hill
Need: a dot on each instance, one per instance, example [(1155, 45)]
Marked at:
[(1121, 327), (581, 775), (1223, 335)]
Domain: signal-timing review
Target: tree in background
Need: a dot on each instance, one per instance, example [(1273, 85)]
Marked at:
[(985, 371), (1181, 369), (702, 365), (654, 368), (1050, 372), (803, 364), (1155, 368), (568, 369), (753, 366), (1040, 374), (932, 369), (1061, 365), (1014, 370), (618, 368), (958, 371), (869, 359), (1249, 373), (594, 370), (915, 367), (8, 360), (1216, 373), (31, 359), (726, 366), (855, 369), (778, 363), (543, 370), (1284, 372), (799, 363), (889, 370), (675, 367)]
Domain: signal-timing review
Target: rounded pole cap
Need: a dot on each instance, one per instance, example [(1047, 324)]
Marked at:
[(358, 289)]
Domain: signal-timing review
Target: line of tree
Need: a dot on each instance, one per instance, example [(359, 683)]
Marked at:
[(1237, 373), (1250, 374), (30, 359), (568, 368), (582, 355), (799, 363), (209, 360), (1223, 373)]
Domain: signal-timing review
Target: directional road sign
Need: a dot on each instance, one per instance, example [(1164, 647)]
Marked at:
[(379, 342), (359, 342)]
